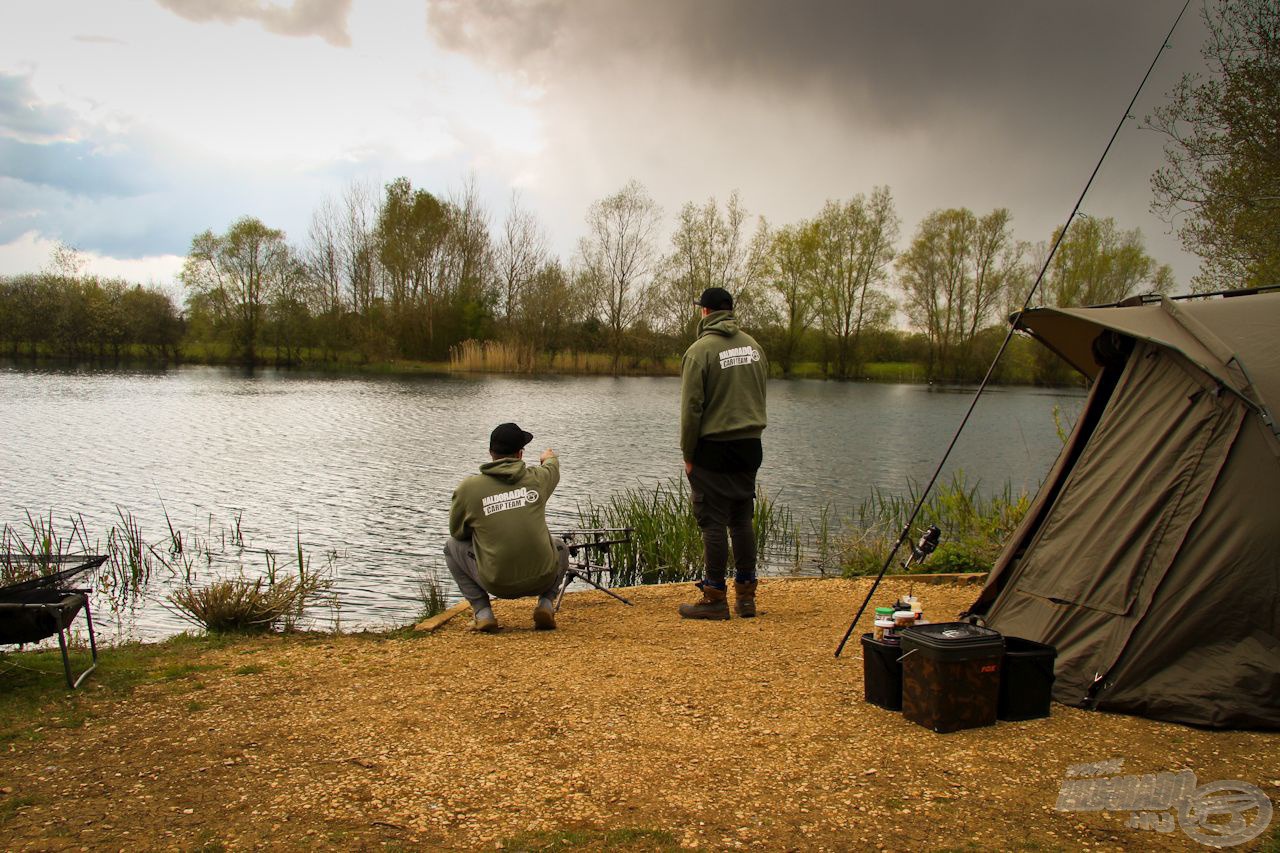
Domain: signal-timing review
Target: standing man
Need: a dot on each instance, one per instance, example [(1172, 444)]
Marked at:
[(498, 539), (722, 414)]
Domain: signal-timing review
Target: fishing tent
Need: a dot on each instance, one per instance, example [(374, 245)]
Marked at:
[(1150, 557)]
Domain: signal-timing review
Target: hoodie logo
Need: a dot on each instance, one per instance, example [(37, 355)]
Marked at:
[(738, 356), (508, 500)]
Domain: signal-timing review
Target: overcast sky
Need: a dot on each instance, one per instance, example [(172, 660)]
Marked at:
[(128, 126)]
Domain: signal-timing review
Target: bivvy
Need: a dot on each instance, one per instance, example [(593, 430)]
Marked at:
[(1150, 558)]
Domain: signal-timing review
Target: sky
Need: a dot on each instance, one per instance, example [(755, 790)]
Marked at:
[(129, 126)]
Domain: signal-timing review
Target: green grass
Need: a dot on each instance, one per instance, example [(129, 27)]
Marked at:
[(250, 669), (875, 371), (9, 806), (974, 527), (34, 694), (591, 839), (666, 539), (1271, 842)]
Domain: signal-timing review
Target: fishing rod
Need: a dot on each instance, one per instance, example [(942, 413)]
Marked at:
[(1062, 232)]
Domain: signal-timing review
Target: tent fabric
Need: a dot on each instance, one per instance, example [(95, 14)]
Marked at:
[(1149, 557), (1198, 330)]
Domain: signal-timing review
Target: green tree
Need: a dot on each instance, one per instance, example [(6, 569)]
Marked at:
[(152, 320), (954, 277), (619, 260), (791, 278), (1098, 264), (854, 248), (1221, 180), (235, 275), (412, 228), (549, 307)]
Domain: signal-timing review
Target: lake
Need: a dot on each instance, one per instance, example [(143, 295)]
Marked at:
[(364, 467)]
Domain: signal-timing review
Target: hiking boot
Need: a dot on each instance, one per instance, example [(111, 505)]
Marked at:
[(744, 599), (485, 624), (714, 604), (544, 616)]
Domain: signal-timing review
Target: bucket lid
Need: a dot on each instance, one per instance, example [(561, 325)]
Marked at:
[(958, 637), (884, 611)]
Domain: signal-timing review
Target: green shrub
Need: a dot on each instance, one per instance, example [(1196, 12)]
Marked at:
[(974, 528), (243, 605)]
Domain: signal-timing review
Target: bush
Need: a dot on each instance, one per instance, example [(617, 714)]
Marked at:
[(974, 528), (243, 605)]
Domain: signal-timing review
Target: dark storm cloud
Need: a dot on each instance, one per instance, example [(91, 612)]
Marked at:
[(324, 18), (983, 103), (900, 61)]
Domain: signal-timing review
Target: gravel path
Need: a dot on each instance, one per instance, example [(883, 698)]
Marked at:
[(739, 734)]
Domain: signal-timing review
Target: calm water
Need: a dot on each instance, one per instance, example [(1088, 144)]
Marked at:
[(365, 467)]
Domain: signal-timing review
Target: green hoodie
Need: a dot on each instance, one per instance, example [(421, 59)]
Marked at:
[(722, 384), (503, 511)]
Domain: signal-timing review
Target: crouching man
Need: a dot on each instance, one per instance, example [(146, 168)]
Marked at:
[(499, 544)]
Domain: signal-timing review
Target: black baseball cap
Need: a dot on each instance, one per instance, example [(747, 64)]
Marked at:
[(508, 438), (715, 298)]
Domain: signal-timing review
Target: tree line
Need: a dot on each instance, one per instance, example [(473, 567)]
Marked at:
[(406, 274), (65, 313)]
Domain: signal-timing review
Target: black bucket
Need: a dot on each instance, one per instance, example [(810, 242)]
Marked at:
[(1026, 679), (882, 673)]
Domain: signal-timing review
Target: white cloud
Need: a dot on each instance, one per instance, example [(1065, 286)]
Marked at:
[(324, 18), (31, 253)]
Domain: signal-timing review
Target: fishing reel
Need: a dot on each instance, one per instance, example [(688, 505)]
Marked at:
[(926, 546)]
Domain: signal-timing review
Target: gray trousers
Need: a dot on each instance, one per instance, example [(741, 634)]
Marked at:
[(460, 557), (720, 501)]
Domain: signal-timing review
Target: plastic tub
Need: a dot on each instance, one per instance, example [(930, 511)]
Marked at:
[(951, 675), (1026, 679), (882, 673)]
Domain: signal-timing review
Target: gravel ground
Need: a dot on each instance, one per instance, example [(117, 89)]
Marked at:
[(739, 734)]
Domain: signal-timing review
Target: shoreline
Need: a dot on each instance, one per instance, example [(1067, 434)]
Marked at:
[(400, 368)]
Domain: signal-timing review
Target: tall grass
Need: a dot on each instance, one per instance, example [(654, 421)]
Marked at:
[(431, 596), (518, 357), (251, 604), (974, 526), (666, 540), (216, 573)]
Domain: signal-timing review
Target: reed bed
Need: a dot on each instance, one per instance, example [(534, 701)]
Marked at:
[(247, 586), (666, 541), (668, 545), (516, 357), (974, 526)]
